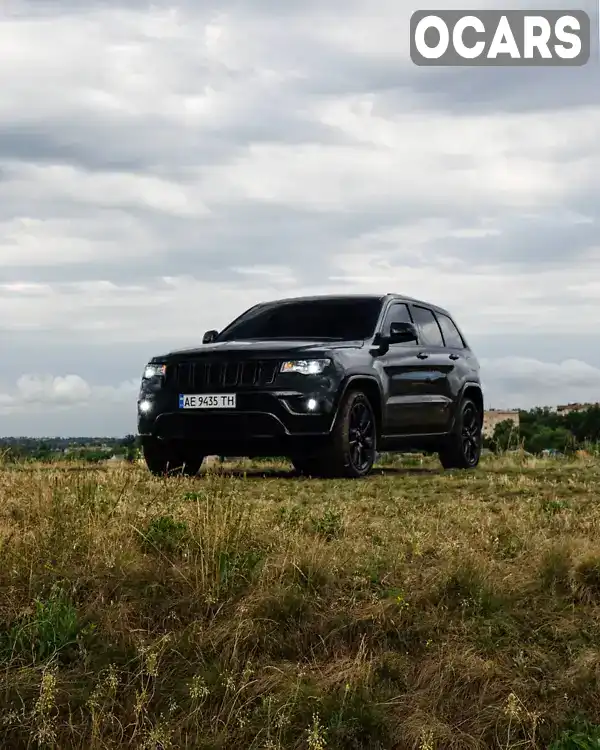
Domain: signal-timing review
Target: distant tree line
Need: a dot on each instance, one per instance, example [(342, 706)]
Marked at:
[(48, 449), (542, 429)]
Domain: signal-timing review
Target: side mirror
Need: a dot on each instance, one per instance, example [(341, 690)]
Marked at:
[(402, 333), (209, 337)]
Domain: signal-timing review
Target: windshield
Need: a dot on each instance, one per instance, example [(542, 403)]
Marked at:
[(342, 319)]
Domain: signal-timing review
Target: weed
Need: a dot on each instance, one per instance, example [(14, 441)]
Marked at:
[(47, 629), (329, 524), (554, 506), (585, 737), (466, 589), (291, 517), (165, 534)]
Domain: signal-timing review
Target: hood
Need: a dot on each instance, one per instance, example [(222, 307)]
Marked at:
[(261, 347)]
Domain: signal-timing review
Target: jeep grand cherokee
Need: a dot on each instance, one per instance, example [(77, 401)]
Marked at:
[(327, 381)]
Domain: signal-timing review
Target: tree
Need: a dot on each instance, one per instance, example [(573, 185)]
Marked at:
[(557, 439)]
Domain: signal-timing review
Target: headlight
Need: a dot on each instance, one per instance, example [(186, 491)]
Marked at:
[(306, 366), (154, 371)]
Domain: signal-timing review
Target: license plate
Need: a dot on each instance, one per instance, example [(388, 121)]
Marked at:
[(207, 401)]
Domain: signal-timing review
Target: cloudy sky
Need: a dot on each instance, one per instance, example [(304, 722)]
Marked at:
[(163, 167)]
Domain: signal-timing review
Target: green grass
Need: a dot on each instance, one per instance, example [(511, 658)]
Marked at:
[(250, 609)]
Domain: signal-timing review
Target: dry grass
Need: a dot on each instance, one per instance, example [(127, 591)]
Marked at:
[(416, 609)]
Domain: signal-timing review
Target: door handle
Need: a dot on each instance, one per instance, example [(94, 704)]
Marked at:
[(454, 356), (422, 355)]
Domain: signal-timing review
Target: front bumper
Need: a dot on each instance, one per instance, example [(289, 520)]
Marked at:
[(259, 415)]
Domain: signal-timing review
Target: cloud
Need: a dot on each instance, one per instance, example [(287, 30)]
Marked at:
[(163, 168), (57, 404), (527, 382), (33, 391), (70, 389)]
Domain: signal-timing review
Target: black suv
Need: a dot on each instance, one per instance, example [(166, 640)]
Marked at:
[(328, 381)]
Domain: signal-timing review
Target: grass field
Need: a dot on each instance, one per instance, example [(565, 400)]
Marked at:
[(414, 609)]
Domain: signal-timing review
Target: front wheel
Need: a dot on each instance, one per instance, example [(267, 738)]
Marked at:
[(352, 446), (167, 457), (462, 449)]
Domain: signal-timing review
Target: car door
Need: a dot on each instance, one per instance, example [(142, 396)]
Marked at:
[(436, 369), (460, 364), (405, 379)]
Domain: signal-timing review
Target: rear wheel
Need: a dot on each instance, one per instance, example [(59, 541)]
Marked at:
[(351, 450), (462, 450), (168, 457)]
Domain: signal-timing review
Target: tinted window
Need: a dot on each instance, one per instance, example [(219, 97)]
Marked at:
[(429, 331), (398, 313), (451, 335), (344, 319)]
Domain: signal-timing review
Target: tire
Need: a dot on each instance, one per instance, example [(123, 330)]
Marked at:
[(463, 447), (352, 446), (167, 458)]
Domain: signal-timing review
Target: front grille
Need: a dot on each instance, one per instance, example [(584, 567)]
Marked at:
[(203, 376)]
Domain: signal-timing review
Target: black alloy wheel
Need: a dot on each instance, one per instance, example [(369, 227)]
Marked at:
[(462, 449), (361, 436), (471, 434), (351, 448)]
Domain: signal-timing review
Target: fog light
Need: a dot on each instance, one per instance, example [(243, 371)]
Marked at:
[(145, 406), (311, 404)]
